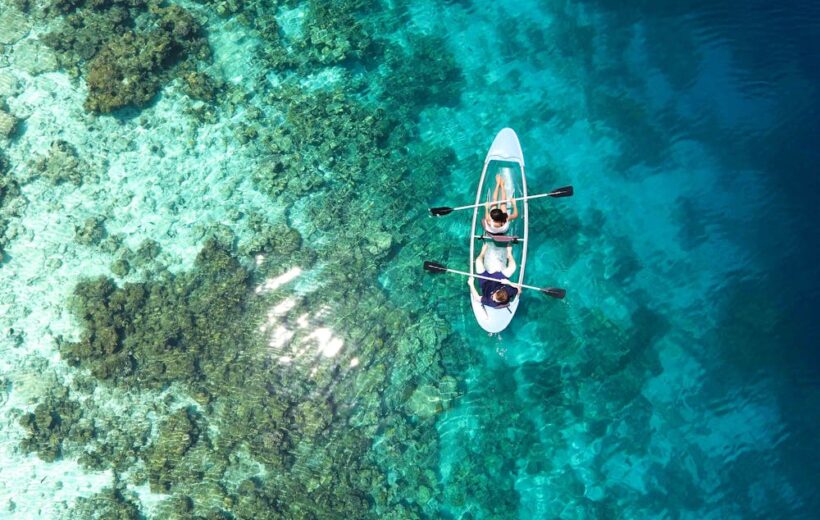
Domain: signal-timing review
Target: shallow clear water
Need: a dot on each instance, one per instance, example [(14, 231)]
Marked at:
[(268, 344)]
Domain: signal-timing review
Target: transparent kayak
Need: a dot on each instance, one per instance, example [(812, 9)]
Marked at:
[(506, 159)]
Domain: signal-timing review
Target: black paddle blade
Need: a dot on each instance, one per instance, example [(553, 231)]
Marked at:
[(566, 191), (555, 292), (434, 267), (441, 211)]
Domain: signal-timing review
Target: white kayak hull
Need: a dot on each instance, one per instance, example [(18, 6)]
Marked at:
[(505, 158)]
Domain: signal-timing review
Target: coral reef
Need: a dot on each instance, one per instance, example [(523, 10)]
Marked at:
[(11, 201), (120, 267), (14, 25), (54, 420), (165, 459), (9, 84), (129, 69), (112, 503), (202, 86), (278, 238), (61, 164), (334, 32), (85, 31), (194, 329), (152, 335), (421, 74), (91, 232), (7, 124), (127, 50)]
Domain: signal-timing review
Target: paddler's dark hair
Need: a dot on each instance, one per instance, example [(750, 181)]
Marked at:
[(498, 215), (502, 295)]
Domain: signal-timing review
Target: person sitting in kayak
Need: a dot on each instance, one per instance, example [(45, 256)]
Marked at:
[(496, 220), (500, 291)]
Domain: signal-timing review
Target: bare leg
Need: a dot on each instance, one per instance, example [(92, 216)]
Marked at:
[(489, 205), (500, 184)]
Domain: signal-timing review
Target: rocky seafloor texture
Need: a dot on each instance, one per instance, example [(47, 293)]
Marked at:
[(212, 222)]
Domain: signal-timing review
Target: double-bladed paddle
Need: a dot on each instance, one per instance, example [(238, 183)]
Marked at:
[(566, 191), (437, 268)]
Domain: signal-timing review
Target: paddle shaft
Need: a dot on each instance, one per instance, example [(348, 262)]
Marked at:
[(528, 197)]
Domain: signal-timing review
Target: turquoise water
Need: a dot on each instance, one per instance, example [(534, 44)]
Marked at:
[(211, 296)]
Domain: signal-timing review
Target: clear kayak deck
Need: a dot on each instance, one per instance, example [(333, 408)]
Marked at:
[(504, 161)]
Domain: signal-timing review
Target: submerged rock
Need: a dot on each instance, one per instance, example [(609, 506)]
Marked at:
[(91, 232), (126, 71), (61, 164), (7, 124), (425, 402), (34, 57), (9, 85), (14, 26)]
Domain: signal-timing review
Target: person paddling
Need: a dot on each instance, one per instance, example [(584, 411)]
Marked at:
[(500, 291), (496, 219)]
